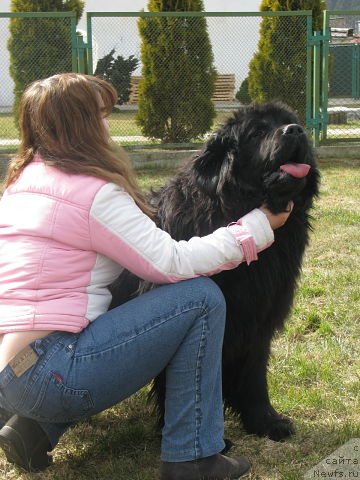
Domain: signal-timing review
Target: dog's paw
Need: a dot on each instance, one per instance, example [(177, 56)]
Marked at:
[(279, 428), (268, 423)]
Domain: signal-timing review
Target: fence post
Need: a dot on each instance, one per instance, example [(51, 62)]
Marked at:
[(325, 75), (82, 64), (89, 43), (73, 43), (309, 72), (316, 114), (355, 68)]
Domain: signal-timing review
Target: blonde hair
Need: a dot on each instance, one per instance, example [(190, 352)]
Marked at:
[(61, 118)]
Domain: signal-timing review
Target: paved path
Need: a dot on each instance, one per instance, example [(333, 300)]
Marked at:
[(138, 138), (4, 142), (336, 132)]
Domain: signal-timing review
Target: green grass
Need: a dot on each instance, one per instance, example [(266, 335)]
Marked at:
[(123, 124), (313, 374), (349, 130), (7, 126)]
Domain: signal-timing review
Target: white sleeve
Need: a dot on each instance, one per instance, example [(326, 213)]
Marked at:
[(122, 232)]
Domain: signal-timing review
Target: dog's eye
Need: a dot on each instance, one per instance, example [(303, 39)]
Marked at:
[(257, 133)]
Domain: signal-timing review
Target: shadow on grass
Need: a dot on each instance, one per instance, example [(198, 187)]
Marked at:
[(339, 163)]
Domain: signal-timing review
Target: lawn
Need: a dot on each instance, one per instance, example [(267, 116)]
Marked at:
[(7, 126), (313, 374), (121, 124)]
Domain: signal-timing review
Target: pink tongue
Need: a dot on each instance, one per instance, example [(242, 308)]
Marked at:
[(298, 170)]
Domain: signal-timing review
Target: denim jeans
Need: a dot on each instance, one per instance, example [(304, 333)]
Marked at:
[(176, 327)]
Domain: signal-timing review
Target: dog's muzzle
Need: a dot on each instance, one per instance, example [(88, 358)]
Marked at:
[(293, 129)]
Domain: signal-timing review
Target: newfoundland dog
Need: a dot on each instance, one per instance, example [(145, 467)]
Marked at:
[(261, 155)]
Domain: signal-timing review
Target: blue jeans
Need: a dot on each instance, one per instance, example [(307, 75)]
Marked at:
[(177, 327)]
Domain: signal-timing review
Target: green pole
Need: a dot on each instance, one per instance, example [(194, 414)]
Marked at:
[(89, 43), (355, 71), (309, 48), (358, 70), (325, 75), (297, 13), (316, 88), (74, 50), (81, 54)]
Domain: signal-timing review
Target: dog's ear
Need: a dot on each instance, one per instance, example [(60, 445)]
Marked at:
[(213, 166)]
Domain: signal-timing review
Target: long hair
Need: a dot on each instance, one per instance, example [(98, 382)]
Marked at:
[(62, 119)]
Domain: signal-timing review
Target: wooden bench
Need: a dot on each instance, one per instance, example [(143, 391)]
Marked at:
[(337, 118), (224, 89)]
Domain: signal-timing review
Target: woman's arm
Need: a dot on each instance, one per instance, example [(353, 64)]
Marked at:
[(122, 232)]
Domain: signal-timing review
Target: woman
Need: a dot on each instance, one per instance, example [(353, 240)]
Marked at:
[(71, 219)]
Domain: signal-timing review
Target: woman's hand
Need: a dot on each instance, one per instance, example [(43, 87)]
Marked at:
[(279, 219)]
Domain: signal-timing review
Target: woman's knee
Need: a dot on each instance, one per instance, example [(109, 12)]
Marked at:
[(212, 294)]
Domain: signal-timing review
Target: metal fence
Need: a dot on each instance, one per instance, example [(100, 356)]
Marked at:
[(341, 98), (233, 39), (311, 73), (32, 46)]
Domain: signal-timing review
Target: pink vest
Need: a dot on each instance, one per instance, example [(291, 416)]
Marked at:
[(64, 238), (44, 225)]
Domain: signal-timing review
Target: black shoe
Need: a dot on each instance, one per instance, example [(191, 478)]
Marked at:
[(25, 444), (216, 467)]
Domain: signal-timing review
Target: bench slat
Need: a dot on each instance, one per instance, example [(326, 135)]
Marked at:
[(224, 88)]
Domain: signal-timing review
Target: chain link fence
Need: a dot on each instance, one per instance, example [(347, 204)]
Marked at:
[(343, 112), (180, 75), (185, 62), (32, 46)]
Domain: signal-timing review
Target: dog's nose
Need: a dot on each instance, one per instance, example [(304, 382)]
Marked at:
[(293, 129)]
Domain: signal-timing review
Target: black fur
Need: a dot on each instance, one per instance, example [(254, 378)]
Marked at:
[(237, 171)]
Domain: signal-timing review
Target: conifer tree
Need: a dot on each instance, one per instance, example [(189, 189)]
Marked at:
[(39, 47), (117, 71), (278, 69), (243, 93), (178, 74)]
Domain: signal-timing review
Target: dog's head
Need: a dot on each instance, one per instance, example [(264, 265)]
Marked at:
[(262, 153)]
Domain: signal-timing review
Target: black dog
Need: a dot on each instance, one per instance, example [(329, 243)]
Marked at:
[(260, 156)]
